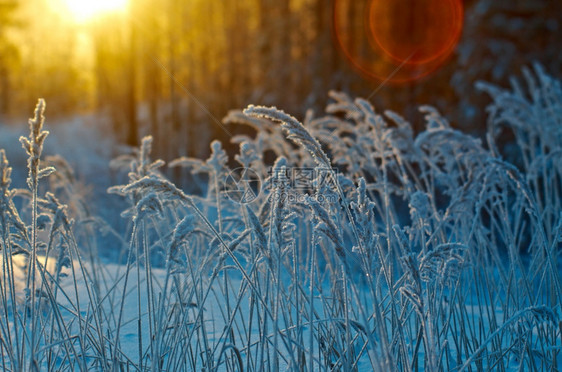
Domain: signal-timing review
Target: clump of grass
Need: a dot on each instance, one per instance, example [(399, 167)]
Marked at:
[(397, 251)]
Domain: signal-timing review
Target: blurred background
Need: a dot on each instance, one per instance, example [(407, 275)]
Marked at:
[(174, 68)]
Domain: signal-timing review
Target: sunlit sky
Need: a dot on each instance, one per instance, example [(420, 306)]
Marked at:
[(85, 10)]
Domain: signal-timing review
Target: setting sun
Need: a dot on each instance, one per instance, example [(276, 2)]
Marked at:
[(83, 10)]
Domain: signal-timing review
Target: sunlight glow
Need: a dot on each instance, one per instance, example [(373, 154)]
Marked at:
[(84, 10)]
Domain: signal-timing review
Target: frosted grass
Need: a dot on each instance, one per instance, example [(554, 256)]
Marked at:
[(403, 252)]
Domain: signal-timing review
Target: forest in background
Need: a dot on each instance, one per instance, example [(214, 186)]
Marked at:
[(175, 68)]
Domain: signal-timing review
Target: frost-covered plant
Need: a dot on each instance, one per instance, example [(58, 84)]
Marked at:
[(534, 116), (29, 324), (33, 146), (403, 252), (456, 190)]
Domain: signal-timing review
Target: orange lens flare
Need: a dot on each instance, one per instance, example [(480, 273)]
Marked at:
[(400, 40)]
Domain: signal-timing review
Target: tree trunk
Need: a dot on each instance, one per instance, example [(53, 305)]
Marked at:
[(131, 100)]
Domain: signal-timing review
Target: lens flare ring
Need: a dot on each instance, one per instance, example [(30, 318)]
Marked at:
[(406, 38)]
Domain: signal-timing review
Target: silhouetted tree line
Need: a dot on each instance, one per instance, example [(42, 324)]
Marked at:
[(174, 68)]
